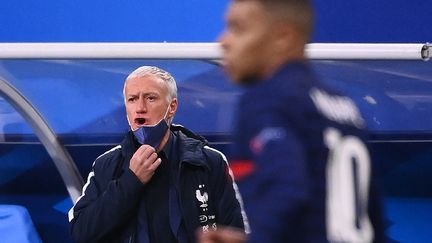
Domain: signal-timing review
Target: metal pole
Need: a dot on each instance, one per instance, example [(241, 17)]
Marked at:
[(427, 52), (209, 51), (60, 156)]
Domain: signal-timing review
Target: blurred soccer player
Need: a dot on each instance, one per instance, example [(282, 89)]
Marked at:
[(300, 158)]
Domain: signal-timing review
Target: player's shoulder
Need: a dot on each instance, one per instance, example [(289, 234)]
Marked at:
[(336, 107)]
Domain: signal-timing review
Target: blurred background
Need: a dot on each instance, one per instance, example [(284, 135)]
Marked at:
[(200, 21)]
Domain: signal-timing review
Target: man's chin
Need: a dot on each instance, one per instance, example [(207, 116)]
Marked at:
[(235, 78), (239, 78), (246, 80), (229, 72)]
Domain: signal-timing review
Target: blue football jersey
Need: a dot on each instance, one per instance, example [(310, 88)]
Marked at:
[(302, 164)]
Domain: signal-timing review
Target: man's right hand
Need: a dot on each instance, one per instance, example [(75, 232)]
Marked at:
[(144, 163)]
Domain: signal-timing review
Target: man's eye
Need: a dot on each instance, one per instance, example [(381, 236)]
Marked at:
[(151, 98), (236, 28), (131, 99)]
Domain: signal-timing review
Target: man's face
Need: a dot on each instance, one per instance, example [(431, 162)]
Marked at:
[(146, 101), (247, 40)]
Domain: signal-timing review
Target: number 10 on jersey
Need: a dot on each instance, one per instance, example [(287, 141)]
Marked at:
[(348, 179)]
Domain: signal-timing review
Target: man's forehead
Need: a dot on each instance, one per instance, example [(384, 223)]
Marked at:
[(242, 10), (146, 82)]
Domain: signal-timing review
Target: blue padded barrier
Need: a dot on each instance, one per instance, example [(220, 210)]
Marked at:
[(16, 225)]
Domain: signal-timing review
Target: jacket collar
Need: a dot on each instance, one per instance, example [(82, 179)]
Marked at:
[(189, 146), (128, 147)]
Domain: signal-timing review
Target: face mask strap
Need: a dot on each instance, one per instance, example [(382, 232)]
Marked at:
[(166, 114)]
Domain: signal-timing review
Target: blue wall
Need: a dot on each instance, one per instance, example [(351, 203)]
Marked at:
[(200, 20)]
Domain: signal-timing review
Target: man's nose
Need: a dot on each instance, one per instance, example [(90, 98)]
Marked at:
[(223, 40), (141, 106)]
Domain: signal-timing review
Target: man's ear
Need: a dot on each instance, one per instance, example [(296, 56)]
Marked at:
[(287, 38), (173, 108)]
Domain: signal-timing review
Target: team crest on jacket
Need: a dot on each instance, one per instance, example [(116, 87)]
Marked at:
[(202, 196), (207, 222)]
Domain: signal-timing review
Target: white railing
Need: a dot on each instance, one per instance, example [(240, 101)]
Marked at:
[(212, 51)]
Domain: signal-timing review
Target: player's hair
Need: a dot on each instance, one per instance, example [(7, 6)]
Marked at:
[(298, 12), (156, 72)]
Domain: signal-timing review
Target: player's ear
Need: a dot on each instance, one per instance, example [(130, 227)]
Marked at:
[(287, 39)]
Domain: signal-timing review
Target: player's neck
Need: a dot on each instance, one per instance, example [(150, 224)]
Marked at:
[(278, 62)]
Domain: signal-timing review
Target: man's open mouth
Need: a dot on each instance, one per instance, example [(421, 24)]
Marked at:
[(140, 121)]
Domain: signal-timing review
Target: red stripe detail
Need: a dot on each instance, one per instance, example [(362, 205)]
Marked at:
[(242, 168)]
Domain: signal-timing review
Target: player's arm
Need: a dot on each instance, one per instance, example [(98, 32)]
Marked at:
[(277, 184)]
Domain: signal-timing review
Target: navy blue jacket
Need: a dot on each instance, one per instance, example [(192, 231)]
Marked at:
[(107, 210), (301, 162)]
